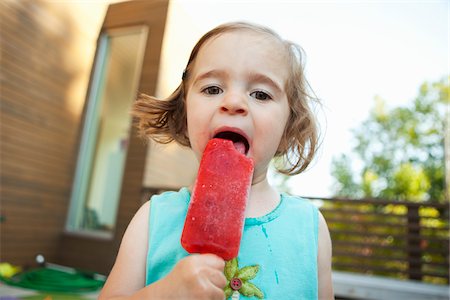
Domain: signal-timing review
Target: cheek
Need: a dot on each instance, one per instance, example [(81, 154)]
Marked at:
[(190, 117), (271, 135), (196, 131), (192, 130), (283, 128)]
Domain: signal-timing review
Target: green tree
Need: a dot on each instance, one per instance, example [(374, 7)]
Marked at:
[(399, 155), (399, 151)]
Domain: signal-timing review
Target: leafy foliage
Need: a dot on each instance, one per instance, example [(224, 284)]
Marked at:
[(400, 151)]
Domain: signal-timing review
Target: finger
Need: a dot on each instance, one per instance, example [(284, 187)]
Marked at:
[(217, 278), (217, 293), (213, 261)]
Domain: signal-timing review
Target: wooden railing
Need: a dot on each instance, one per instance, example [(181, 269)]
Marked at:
[(390, 238)]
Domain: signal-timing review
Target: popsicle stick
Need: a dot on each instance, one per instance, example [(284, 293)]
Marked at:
[(235, 295)]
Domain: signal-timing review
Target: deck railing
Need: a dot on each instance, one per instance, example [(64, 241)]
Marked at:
[(397, 239)]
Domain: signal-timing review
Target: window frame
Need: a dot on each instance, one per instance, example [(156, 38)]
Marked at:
[(90, 130)]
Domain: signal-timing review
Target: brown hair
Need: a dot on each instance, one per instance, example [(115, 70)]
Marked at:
[(165, 120)]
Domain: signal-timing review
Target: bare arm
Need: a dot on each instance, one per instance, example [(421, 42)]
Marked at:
[(324, 261), (195, 277), (128, 273)]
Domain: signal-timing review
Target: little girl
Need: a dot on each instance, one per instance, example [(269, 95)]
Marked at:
[(245, 79)]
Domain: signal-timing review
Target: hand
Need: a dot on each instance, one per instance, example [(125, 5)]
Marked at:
[(195, 277)]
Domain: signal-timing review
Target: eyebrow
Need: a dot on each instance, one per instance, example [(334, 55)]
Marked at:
[(261, 78), (211, 74)]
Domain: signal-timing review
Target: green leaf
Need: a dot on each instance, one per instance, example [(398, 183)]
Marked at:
[(231, 266), (250, 290), (228, 292), (247, 273)]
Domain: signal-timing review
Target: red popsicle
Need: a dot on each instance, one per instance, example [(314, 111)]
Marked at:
[(216, 214)]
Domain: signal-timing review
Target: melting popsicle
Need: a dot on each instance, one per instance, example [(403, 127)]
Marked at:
[(216, 214)]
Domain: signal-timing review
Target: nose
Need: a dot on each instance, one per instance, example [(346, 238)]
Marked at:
[(234, 104)]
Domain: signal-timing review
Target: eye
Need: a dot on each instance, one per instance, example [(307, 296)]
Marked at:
[(212, 90), (260, 95)]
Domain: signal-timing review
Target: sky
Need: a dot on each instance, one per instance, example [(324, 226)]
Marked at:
[(355, 51)]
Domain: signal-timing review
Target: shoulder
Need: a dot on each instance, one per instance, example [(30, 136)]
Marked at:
[(163, 201), (297, 199), (324, 234), (302, 213), (324, 260), (168, 211), (170, 203), (138, 222), (308, 205), (324, 246), (297, 202), (169, 197)]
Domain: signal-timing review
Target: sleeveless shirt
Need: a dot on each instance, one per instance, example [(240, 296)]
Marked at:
[(282, 243)]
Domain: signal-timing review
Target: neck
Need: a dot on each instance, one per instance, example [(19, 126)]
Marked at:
[(263, 198)]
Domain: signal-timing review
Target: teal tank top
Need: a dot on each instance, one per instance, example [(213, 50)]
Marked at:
[(282, 243)]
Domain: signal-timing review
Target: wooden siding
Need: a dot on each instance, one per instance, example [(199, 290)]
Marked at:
[(39, 127), (47, 52), (102, 253)]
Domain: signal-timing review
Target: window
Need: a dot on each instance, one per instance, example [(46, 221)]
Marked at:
[(107, 125)]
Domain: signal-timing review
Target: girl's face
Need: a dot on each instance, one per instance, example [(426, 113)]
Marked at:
[(237, 84)]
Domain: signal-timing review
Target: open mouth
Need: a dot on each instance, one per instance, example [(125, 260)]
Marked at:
[(239, 141)]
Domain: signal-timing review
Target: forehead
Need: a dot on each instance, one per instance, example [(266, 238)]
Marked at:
[(244, 49)]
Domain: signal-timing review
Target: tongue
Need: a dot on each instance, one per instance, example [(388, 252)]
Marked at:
[(240, 147)]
